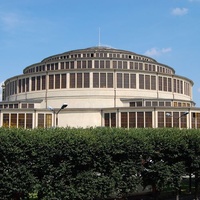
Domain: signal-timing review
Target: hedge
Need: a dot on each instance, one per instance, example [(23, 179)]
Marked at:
[(94, 163)]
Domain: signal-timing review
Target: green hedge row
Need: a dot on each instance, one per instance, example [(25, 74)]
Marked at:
[(94, 163)]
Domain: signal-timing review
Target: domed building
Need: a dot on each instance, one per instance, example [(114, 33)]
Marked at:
[(98, 86)]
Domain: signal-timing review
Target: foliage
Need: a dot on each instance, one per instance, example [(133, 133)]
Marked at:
[(94, 163)]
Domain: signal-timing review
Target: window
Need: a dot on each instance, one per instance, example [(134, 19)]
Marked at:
[(169, 84), (27, 85), (160, 83), (29, 120), (132, 120), (63, 81), (72, 80), (126, 80), (141, 81), (106, 119), (43, 82), (40, 120), (124, 118), (5, 120), (13, 120), (38, 83), (86, 80), (140, 120), (21, 120), (103, 80), (160, 119), (113, 119), (148, 119), (176, 119), (119, 80), (169, 120), (79, 80), (165, 83), (95, 80), (153, 82), (133, 81), (110, 80), (33, 83), (147, 82), (51, 81)]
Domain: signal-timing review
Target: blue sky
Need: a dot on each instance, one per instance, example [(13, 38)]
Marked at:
[(166, 30)]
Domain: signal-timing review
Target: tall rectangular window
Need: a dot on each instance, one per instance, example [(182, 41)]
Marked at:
[(110, 80), (40, 120), (113, 119), (29, 120), (38, 83), (160, 85), (27, 84), (124, 119), (89, 64), (103, 80), (165, 83), (6, 120), (169, 120), (176, 119), (95, 80), (153, 82), (79, 80), (160, 119), (141, 81), (183, 120), (132, 120), (51, 81), (96, 64), (21, 120), (169, 84), (147, 82), (84, 64), (106, 120), (133, 81), (63, 81), (86, 80), (20, 85), (43, 82), (13, 121), (48, 121), (72, 80), (148, 119), (174, 85), (107, 64), (33, 84), (57, 81), (126, 80), (140, 120), (119, 80), (23, 85)]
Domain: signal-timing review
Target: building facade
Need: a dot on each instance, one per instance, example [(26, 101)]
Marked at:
[(102, 87)]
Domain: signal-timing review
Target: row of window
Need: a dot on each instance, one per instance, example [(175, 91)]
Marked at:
[(145, 120), (99, 55), (25, 120), (127, 120), (97, 80), (100, 64), (16, 105), (155, 103)]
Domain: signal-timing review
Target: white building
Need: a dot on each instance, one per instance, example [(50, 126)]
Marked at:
[(102, 87)]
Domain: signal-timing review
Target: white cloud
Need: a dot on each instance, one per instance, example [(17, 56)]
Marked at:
[(157, 52), (179, 11)]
